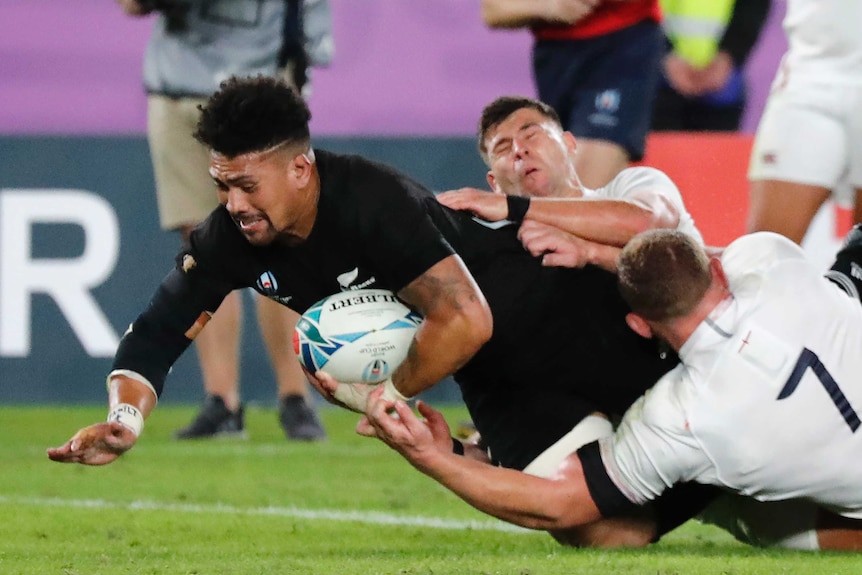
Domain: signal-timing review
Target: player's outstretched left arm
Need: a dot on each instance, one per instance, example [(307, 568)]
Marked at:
[(550, 504), (130, 402)]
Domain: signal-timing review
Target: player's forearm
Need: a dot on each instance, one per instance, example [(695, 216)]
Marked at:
[(605, 256), (457, 322), (443, 345), (125, 389), (609, 222), (175, 315), (512, 495)]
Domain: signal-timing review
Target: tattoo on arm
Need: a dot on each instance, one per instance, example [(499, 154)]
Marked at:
[(431, 291)]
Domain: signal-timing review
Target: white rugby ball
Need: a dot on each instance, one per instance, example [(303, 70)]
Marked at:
[(358, 336)]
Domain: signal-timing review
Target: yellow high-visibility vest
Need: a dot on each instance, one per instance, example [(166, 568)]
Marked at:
[(695, 27)]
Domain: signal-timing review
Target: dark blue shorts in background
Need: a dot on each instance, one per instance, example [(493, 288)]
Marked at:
[(603, 88)]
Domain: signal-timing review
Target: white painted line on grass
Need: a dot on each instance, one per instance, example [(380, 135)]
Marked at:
[(371, 517)]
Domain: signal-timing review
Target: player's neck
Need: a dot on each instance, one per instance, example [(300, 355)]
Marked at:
[(716, 299)]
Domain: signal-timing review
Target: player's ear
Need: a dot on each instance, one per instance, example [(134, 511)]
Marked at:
[(492, 182), (571, 143), (717, 271), (639, 325), (301, 169)]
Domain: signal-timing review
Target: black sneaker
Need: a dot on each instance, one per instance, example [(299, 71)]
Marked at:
[(214, 420), (299, 420), (853, 239)]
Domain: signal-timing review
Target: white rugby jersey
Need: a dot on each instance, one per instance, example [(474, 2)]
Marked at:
[(635, 179), (824, 39), (766, 401)]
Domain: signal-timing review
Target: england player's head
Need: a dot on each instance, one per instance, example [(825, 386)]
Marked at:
[(670, 283), (526, 149), (261, 158)]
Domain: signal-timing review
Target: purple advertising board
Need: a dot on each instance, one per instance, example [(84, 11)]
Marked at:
[(400, 68)]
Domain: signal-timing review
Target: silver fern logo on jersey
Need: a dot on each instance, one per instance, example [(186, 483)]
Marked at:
[(347, 278)]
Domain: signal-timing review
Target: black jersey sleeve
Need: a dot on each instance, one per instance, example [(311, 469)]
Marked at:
[(743, 29), (162, 332), (182, 303), (671, 509), (402, 239)]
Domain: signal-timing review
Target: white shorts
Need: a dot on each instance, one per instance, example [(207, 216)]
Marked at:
[(810, 133), (590, 428)]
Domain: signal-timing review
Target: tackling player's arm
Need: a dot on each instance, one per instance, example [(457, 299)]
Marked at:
[(636, 200), (609, 221), (606, 221), (564, 501), (457, 322)]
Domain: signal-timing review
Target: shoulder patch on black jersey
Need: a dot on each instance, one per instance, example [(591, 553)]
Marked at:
[(493, 225), (188, 263)]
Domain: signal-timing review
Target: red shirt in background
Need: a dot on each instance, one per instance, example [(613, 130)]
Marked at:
[(609, 17)]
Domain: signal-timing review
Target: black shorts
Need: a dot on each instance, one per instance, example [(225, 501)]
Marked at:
[(671, 509)]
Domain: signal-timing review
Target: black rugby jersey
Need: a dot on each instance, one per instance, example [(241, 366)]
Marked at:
[(560, 347), (371, 231)]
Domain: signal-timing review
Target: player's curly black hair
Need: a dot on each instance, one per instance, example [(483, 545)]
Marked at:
[(503, 107), (252, 114)]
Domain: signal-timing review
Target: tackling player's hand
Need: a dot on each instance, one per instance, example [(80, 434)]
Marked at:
[(555, 246), (489, 206), (398, 427), (98, 444)]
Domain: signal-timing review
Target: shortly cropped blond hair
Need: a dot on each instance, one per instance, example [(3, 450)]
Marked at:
[(663, 274)]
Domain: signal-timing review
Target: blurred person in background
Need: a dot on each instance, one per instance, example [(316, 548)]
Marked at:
[(194, 45), (809, 141), (703, 84), (597, 63)]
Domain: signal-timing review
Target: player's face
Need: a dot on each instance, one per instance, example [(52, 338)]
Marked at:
[(530, 156), (268, 194)]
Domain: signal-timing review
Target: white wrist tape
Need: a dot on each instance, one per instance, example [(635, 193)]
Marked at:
[(391, 393), (353, 396), (128, 416)]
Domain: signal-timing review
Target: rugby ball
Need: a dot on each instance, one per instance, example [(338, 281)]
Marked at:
[(358, 336)]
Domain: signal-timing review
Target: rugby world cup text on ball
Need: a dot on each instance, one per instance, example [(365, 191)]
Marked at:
[(377, 349), (351, 300)]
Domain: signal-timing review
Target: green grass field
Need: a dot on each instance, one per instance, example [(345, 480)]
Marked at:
[(263, 505)]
